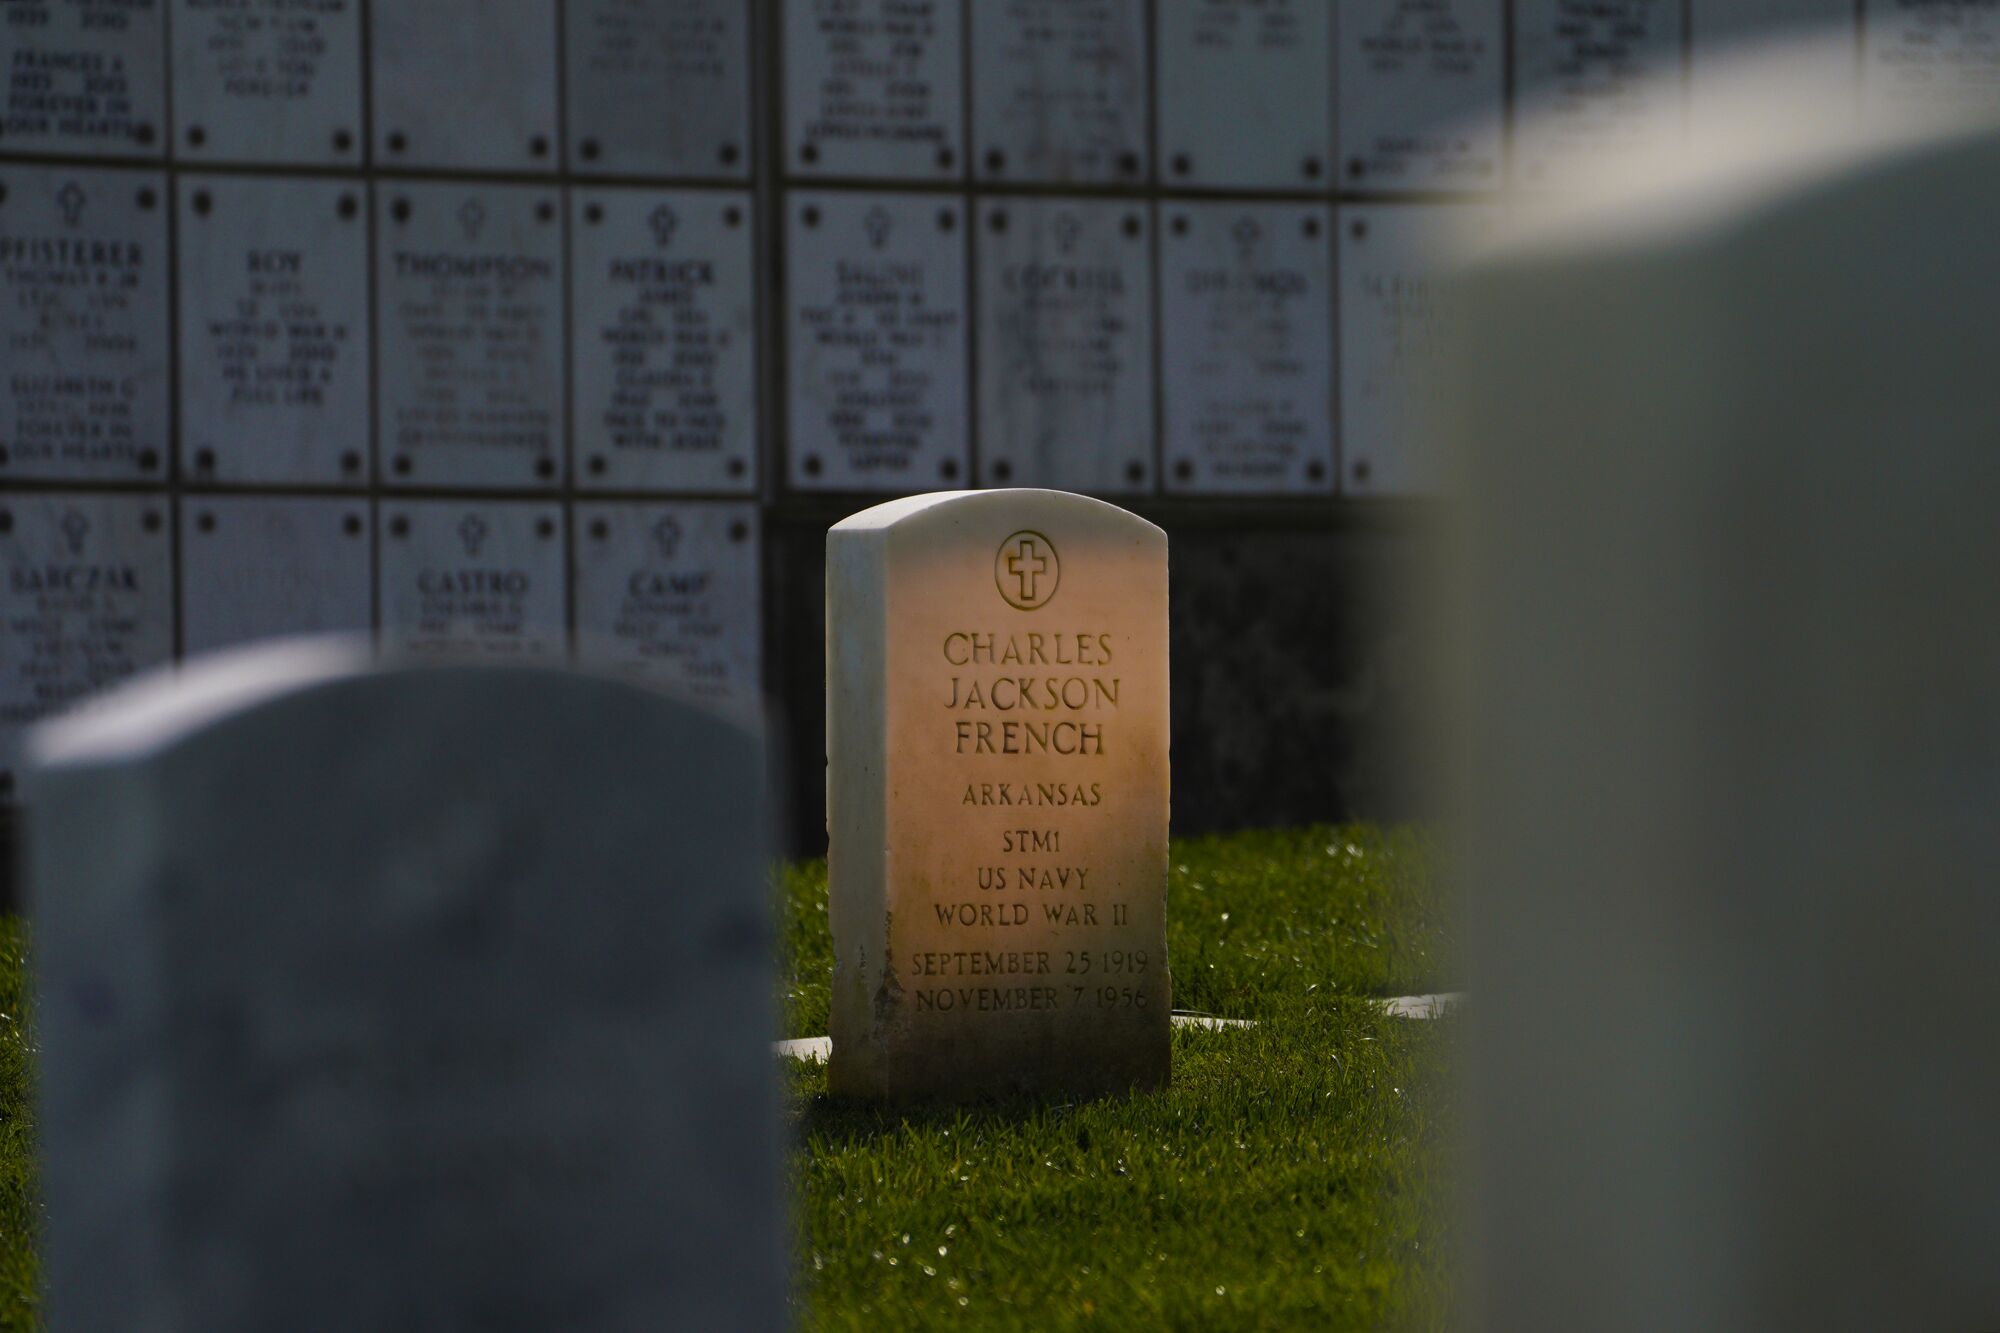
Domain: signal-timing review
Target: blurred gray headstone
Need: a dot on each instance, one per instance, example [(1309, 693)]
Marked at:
[(1066, 344), (669, 593), (873, 88), (88, 601), (472, 579), (1059, 91), (1246, 347), (877, 355), (83, 78), (469, 304), (1244, 93), (466, 84), (1726, 595), (1926, 56), (1594, 83), (1421, 94), (267, 81), (659, 87), (423, 998), (266, 567), (972, 959), (274, 330), (83, 316), (666, 340)]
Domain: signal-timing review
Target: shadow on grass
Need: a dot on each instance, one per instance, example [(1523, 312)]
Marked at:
[(1310, 1049), (843, 1122)]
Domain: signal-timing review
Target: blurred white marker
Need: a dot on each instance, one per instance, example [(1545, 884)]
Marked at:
[(1403, 1006)]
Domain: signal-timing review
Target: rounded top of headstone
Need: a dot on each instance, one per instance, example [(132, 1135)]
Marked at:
[(166, 707), (1025, 500), (162, 706), (1770, 134)]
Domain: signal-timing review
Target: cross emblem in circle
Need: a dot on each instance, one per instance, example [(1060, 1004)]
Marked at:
[(1026, 565), (1027, 570)]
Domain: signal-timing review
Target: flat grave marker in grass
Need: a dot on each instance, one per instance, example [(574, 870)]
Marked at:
[(997, 796), (419, 998)]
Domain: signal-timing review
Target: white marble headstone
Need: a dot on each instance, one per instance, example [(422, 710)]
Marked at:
[(1725, 600), (411, 998), (997, 797)]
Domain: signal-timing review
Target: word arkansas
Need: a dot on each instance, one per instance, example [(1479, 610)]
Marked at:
[(1033, 793)]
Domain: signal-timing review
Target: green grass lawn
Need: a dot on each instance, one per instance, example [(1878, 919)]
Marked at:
[(1290, 1177), (20, 1296)]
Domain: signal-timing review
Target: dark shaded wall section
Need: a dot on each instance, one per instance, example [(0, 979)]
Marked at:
[(1296, 679)]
